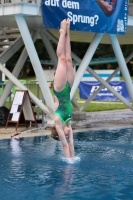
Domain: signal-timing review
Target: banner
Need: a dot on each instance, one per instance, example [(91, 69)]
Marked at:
[(86, 89), (102, 16)]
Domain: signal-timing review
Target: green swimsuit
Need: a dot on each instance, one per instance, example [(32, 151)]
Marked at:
[(64, 110)]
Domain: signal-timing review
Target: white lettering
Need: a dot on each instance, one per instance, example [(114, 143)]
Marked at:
[(94, 88), (52, 3), (47, 3), (70, 4), (104, 89), (92, 21), (64, 4), (69, 14), (75, 19), (116, 88), (75, 5), (81, 19)]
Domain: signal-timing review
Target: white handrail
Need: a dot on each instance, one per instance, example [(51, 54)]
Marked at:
[(19, 1), (33, 1)]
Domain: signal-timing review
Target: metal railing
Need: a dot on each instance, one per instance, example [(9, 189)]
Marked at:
[(33, 1), (18, 1), (34, 87)]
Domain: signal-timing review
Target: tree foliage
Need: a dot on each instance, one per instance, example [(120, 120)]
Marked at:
[(103, 50)]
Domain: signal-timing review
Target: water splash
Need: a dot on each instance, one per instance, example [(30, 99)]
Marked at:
[(74, 160)]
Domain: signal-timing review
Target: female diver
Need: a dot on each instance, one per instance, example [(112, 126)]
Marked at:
[(62, 84)]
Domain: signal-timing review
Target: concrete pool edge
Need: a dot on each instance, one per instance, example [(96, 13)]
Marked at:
[(102, 120)]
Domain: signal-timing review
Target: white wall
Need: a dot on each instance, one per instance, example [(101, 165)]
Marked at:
[(102, 73)]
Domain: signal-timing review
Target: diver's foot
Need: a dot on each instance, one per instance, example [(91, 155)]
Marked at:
[(68, 25), (63, 26)]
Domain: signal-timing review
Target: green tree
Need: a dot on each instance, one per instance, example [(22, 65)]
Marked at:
[(103, 50)]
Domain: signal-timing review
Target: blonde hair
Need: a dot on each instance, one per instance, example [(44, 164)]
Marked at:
[(54, 133)]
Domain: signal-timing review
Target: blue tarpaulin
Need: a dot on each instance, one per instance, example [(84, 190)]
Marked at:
[(87, 15), (86, 89)]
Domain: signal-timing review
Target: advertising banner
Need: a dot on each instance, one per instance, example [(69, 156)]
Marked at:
[(86, 89), (102, 16)]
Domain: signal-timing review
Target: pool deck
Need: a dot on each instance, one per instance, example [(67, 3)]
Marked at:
[(108, 120)]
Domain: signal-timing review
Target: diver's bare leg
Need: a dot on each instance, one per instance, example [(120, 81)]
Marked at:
[(60, 75), (70, 70)]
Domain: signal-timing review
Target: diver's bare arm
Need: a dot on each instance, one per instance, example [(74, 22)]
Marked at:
[(71, 145), (64, 142), (56, 103)]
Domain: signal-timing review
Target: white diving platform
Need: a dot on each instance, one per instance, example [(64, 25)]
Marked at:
[(33, 18)]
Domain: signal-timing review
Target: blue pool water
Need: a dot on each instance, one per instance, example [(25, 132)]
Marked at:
[(34, 168)]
